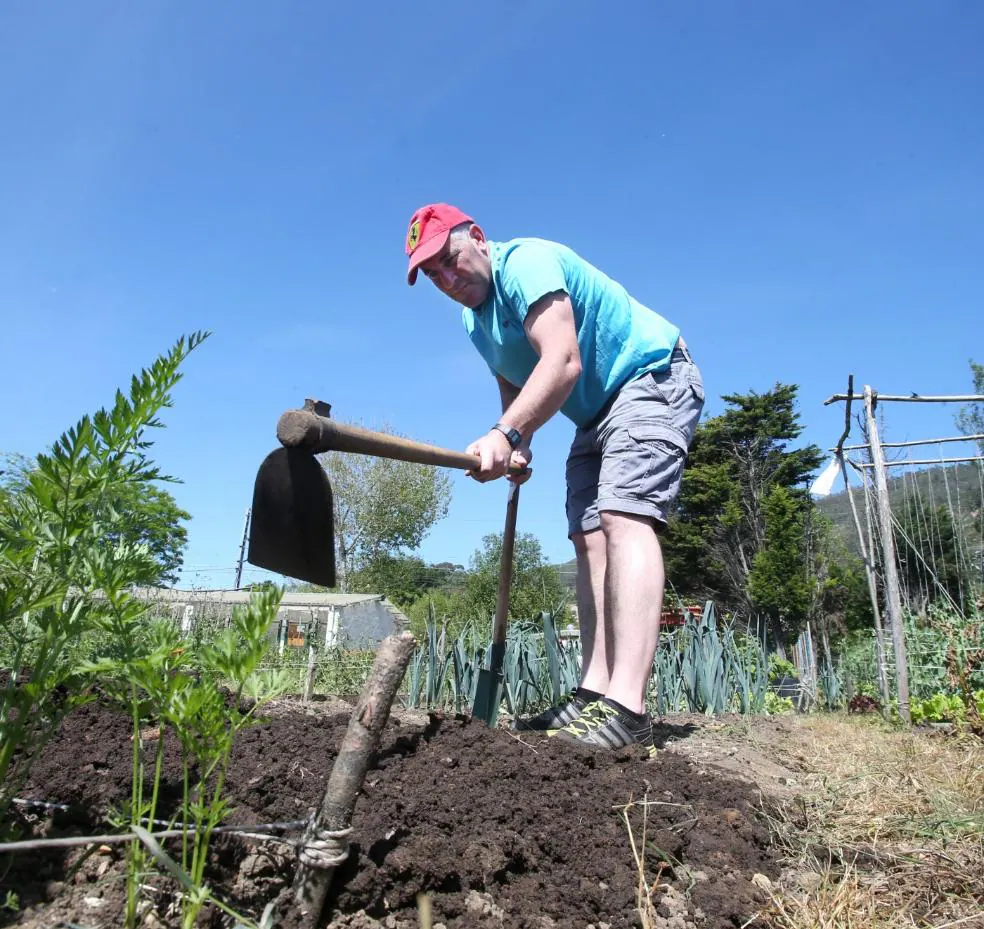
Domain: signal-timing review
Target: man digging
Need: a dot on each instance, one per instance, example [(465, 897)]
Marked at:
[(561, 336)]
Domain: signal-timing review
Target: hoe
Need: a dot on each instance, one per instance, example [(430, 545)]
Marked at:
[(292, 528)]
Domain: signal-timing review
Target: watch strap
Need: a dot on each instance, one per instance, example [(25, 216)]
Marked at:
[(513, 436)]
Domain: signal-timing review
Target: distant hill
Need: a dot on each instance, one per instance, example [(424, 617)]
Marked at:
[(959, 486)]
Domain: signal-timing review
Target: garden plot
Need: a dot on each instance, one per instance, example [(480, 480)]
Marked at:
[(495, 829)]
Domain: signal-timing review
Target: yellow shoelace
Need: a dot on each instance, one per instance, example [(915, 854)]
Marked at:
[(592, 717)]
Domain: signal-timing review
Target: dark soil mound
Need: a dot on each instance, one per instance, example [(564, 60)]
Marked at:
[(498, 831)]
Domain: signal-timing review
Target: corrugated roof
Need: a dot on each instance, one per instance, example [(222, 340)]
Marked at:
[(174, 595)]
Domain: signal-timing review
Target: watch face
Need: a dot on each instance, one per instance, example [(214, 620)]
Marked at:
[(512, 435)]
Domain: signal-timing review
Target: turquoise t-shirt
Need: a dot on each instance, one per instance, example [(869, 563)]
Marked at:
[(618, 338)]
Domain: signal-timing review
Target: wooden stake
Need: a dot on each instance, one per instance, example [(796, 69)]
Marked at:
[(866, 559), (366, 724), (312, 670), (893, 599)]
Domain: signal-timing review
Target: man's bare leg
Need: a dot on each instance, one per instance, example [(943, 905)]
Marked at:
[(633, 601), (590, 548)]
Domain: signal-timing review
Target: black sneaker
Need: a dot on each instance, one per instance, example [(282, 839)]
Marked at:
[(554, 718), (602, 725)]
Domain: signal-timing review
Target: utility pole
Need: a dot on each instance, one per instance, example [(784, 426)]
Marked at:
[(893, 600), (242, 551)]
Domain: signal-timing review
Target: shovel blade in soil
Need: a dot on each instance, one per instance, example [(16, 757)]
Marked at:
[(488, 697), (292, 526), (488, 691)]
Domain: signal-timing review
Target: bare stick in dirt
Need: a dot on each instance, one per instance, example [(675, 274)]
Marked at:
[(325, 844), (893, 599)]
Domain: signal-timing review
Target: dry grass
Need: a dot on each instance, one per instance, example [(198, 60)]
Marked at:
[(893, 826), (650, 875)]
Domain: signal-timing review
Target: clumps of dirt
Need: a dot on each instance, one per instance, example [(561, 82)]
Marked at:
[(495, 830)]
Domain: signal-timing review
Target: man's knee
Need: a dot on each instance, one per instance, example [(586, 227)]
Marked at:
[(614, 522), (586, 542)]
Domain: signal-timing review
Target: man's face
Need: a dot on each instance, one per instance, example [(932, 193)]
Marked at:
[(462, 270)]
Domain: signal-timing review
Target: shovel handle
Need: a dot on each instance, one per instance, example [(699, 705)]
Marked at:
[(505, 568), (308, 430)]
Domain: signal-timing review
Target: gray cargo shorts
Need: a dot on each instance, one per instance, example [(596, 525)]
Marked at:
[(630, 458)]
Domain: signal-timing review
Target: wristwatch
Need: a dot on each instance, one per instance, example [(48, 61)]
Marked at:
[(513, 436)]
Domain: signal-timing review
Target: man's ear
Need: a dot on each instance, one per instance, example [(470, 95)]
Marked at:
[(476, 233)]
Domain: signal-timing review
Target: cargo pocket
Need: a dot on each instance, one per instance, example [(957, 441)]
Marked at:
[(655, 453)]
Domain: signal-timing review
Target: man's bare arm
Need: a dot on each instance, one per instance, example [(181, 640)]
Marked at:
[(550, 329)]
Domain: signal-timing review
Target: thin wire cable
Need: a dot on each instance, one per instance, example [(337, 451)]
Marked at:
[(248, 832)]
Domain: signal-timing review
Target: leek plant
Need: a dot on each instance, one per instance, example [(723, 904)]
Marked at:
[(537, 667), (706, 668), (703, 667)]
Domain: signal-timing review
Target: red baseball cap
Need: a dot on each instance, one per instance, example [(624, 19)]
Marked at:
[(428, 231)]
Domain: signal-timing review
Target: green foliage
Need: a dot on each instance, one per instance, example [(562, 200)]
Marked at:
[(970, 419), (537, 666), (403, 579), (707, 667), (778, 583), (780, 668), (945, 708), (382, 507), (776, 705), (67, 558), (943, 648), (930, 553), (845, 591), (447, 608), (535, 586), (161, 678)]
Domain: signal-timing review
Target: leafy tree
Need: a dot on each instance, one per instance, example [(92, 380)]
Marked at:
[(535, 584), (970, 419), (445, 606), (382, 507), (155, 520), (152, 520), (722, 524), (779, 584), (402, 579)]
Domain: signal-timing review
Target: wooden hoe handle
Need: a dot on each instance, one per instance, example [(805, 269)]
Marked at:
[(307, 430)]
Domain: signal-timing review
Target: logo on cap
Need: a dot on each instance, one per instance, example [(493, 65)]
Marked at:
[(413, 236)]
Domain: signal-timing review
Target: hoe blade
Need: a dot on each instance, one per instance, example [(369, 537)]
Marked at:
[(292, 527)]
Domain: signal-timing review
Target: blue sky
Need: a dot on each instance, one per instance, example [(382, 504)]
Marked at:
[(798, 186)]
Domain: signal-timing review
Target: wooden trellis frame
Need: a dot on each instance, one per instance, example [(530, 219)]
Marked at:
[(893, 598)]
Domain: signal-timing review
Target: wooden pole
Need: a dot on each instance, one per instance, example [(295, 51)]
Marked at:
[(927, 461), (242, 551), (869, 573), (909, 398), (324, 845), (916, 442), (893, 600), (312, 672), (866, 559)]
